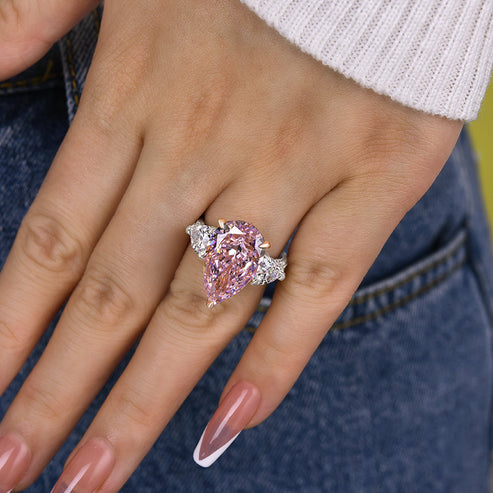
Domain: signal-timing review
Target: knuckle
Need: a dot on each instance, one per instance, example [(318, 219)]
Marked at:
[(394, 147), (46, 242), (314, 277), (185, 309), (382, 135), (188, 307), (275, 354), (202, 113), (133, 406), (384, 142), (41, 399), (10, 337), (100, 297)]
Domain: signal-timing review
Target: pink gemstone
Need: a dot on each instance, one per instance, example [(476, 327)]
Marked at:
[(231, 260)]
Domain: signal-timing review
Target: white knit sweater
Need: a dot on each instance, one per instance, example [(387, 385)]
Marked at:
[(432, 55)]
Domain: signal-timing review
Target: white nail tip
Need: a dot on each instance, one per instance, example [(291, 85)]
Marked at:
[(210, 459)]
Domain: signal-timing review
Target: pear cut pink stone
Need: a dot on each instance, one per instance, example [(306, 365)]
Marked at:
[(231, 260)]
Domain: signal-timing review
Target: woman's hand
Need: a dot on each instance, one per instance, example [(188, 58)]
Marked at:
[(189, 107)]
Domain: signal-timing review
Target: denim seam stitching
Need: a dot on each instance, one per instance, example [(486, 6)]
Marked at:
[(97, 23), (70, 59), (389, 307), (33, 82), (398, 284), (477, 271), (405, 299), (400, 302)]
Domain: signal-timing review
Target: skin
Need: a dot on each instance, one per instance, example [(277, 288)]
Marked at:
[(191, 106)]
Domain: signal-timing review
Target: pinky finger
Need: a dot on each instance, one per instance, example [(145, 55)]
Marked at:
[(334, 247)]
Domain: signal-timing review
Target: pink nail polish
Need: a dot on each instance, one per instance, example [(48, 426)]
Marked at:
[(15, 458), (232, 415), (88, 469)]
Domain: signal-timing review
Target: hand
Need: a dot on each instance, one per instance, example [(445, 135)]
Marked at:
[(190, 107)]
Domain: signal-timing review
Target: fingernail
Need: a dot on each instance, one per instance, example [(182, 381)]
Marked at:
[(88, 469), (232, 415), (15, 458)]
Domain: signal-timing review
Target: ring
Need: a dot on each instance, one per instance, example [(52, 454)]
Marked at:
[(234, 256)]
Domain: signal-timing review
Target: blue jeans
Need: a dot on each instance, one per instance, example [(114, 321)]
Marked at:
[(397, 398)]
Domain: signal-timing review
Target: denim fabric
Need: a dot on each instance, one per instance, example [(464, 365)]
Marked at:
[(397, 398)]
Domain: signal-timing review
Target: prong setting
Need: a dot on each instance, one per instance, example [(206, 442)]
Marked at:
[(208, 242)]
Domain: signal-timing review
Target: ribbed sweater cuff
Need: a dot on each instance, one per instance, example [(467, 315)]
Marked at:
[(432, 55)]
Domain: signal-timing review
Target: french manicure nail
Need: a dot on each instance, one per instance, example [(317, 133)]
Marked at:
[(88, 469), (15, 458), (232, 415)]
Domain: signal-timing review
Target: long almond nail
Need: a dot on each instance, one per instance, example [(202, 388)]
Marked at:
[(232, 415), (15, 458), (88, 469)]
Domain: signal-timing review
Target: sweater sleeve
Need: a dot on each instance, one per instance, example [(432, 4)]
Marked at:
[(432, 55)]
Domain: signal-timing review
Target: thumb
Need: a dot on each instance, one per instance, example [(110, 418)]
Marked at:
[(28, 28)]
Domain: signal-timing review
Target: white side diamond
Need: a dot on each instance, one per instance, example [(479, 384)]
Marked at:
[(270, 269), (201, 236)]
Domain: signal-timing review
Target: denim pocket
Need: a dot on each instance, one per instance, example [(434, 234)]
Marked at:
[(374, 301), (397, 396)]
